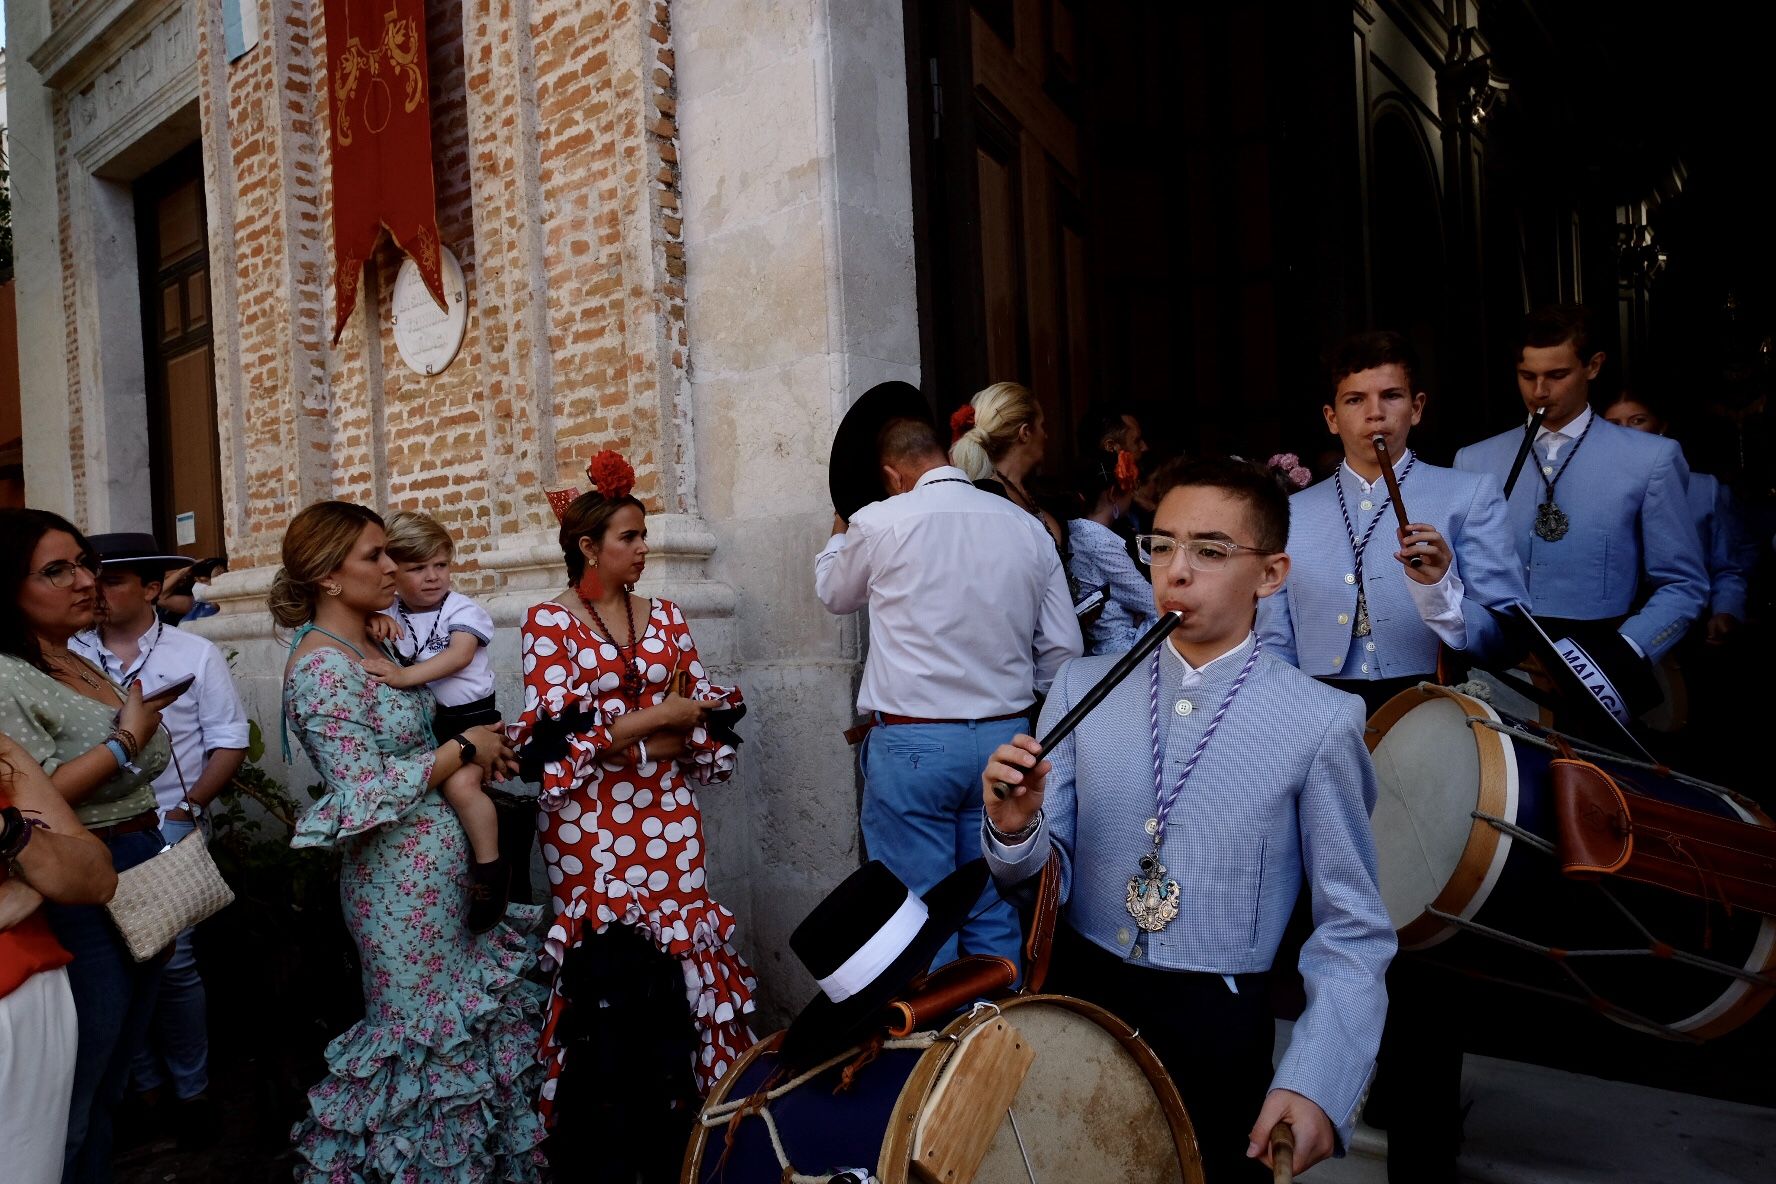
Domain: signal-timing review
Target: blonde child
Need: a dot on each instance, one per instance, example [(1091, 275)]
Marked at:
[(438, 639)]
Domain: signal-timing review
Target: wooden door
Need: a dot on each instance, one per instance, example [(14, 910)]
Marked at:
[(184, 452), (1003, 281)]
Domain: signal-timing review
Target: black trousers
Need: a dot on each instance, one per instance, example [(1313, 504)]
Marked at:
[(1418, 1075), (1216, 1045), (1376, 691)]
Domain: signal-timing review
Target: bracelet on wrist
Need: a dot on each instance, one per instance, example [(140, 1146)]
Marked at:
[(1022, 836)]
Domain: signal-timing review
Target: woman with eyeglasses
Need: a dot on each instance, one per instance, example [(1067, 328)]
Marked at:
[(102, 748)]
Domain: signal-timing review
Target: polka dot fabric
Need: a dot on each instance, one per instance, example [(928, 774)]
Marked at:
[(623, 842)]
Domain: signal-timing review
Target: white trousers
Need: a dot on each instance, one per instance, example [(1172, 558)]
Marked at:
[(38, 1035)]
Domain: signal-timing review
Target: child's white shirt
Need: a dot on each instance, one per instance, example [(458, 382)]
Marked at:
[(426, 634)]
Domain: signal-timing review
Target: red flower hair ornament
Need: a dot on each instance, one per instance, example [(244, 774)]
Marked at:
[(610, 474), (961, 421)]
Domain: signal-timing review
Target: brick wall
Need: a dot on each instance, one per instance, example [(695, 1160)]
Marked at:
[(554, 156)]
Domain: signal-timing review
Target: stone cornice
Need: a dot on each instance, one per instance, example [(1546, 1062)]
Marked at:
[(92, 35)]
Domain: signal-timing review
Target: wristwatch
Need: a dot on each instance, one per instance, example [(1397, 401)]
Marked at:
[(468, 750)]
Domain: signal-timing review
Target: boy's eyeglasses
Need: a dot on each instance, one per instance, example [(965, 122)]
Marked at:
[(1158, 550)]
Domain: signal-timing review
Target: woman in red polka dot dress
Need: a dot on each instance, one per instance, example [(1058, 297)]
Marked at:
[(621, 747)]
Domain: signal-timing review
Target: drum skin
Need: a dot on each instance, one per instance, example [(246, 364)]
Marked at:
[(1095, 1107), (1435, 770)]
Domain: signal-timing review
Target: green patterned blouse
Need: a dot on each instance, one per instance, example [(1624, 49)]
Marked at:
[(55, 724)]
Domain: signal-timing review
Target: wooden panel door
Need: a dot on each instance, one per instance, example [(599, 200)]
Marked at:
[(184, 451), (1005, 248)]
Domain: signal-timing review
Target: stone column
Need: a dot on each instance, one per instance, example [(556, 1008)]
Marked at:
[(798, 234)]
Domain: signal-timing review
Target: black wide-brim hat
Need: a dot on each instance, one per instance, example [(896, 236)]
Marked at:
[(1604, 684), (136, 549), (830, 938), (854, 474)]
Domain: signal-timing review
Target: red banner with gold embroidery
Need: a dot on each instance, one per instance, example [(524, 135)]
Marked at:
[(380, 92)]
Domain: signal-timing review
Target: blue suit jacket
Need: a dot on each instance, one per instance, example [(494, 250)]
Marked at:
[(1282, 794), (1730, 552), (1631, 528), (1308, 622)]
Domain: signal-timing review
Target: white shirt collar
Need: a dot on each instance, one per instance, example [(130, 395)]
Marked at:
[(95, 639), (1366, 485), (1195, 675), (941, 473), (1571, 431)]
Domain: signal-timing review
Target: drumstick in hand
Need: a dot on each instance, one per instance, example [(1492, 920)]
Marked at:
[(1387, 472), (1282, 1153)]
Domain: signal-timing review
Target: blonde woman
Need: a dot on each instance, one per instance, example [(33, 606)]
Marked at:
[(998, 439), (437, 1080)]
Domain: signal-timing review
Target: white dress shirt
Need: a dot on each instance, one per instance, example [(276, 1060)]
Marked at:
[(1554, 439), (969, 615), (206, 717), (1440, 604)]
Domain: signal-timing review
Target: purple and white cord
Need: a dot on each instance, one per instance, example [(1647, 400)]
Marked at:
[(1357, 548), (1165, 801)]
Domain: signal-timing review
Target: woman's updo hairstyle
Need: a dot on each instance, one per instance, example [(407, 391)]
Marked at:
[(589, 514), (999, 412), (318, 541)]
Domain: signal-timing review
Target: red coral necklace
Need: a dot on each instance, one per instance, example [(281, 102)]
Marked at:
[(632, 683)]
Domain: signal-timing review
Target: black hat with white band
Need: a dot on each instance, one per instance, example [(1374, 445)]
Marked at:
[(863, 944), (135, 550)]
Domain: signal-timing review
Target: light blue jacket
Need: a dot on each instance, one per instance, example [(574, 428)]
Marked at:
[(1282, 794), (1631, 530), (1308, 623), (1730, 552)]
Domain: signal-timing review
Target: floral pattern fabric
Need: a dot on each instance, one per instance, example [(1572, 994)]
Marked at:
[(623, 841), (437, 1082)]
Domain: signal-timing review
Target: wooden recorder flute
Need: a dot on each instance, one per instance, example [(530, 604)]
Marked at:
[(1123, 668), (1387, 472)]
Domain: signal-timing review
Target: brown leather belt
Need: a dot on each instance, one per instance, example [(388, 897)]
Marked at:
[(146, 820), (889, 719)]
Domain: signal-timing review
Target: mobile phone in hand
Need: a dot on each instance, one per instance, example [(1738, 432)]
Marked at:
[(166, 693)]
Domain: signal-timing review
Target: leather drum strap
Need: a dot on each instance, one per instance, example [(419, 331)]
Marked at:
[(1039, 946)]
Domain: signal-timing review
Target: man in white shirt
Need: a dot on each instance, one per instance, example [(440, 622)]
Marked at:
[(207, 726), (969, 618)]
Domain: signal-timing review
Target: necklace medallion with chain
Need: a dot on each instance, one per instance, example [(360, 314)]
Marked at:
[(632, 684), (1551, 522), (1153, 897)]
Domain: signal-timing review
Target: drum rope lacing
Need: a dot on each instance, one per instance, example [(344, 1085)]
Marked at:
[(1568, 747), (727, 1112), (1562, 957)]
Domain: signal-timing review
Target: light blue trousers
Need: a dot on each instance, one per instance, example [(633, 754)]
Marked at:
[(922, 817)]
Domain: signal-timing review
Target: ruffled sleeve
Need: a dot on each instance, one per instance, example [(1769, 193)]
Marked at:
[(562, 731), (707, 757), (332, 707)]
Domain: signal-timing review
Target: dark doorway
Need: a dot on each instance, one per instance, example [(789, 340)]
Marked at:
[(1410, 277), (1151, 204), (184, 452)]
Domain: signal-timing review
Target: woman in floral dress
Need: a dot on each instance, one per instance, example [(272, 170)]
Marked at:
[(437, 1082), (615, 699)]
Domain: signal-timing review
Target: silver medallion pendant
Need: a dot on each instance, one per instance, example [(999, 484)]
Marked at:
[(1152, 898), (1551, 522), (1361, 628)]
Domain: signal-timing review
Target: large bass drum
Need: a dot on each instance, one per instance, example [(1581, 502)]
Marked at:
[(1093, 1105), (1466, 836)]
